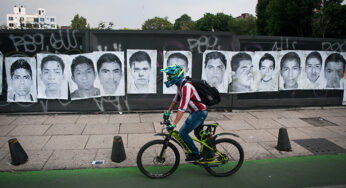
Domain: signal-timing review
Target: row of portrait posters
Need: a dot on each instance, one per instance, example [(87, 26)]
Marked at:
[(103, 73), (1, 59)]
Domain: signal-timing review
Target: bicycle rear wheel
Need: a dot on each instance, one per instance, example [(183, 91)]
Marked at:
[(231, 162), (151, 164)]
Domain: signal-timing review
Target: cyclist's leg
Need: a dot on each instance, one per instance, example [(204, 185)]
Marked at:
[(193, 121), (198, 129)]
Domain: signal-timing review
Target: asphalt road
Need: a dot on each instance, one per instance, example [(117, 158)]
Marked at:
[(311, 171)]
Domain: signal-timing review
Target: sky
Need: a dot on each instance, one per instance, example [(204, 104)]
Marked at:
[(127, 13)]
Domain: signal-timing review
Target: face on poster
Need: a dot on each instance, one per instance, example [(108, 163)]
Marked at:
[(181, 58), (83, 75), (110, 70), (334, 68), (21, 77), (290, 70), (216, 69), (141, 71), (344, 81), (52, 76), (312, 73), (1, 59), (266, 71), (242, 72)]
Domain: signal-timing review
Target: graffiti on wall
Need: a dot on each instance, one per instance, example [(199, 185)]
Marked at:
[(63, 40)]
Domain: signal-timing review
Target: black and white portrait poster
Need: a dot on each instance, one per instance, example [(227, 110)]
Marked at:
[(52, 76), (141, 71), (181, 58), (242, 67), (216, 69), (21, 79), (266, 71), (110, 71), (344, 80), (1, 63), (82, 82), (313, 71), (291, 68), (334, 67)]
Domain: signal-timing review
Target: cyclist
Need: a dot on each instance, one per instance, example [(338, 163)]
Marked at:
[(189, 100)]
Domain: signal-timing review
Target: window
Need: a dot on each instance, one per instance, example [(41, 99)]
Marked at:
[(10, 18), (52, 20), (41, 19), (21, 19), (36, 20), (11, 25), (52, 26)]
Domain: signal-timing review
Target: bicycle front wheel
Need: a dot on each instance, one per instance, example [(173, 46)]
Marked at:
[(156, 159), (231, 160)]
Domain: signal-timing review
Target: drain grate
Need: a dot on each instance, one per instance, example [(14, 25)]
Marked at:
[(320, 146), (318, 122)]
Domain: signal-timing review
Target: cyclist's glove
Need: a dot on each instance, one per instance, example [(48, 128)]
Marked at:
[(170, 127), (166, 115)]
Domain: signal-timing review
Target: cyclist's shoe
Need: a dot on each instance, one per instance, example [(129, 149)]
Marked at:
[(193, 157)]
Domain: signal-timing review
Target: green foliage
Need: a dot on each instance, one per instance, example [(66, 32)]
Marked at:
[(245, 26), (223, 22), (79, 22), (210, 22), (329, 20), (261, 16), (286, 17), (184, 22), (337, 25), (157, 23)]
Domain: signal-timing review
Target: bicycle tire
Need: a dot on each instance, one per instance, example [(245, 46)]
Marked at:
[(231, 167), (168, 169)]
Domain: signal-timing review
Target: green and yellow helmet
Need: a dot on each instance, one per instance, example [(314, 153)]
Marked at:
[(175, 74)]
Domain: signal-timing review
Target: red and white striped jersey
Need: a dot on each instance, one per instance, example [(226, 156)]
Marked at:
[(188, 97)]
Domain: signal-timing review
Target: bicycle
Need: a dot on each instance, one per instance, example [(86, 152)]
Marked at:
[(220, 157)]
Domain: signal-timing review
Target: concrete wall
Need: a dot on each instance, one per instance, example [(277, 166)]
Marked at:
[(30, 42)]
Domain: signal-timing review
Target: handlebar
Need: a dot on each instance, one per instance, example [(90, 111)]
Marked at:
[(165, 122)]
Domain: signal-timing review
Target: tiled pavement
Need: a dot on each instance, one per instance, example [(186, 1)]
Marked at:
[(74, 141)]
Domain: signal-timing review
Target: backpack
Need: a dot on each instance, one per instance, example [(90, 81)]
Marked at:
[(209, 95)]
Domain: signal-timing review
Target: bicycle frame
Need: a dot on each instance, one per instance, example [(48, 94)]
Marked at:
[(184, 146)]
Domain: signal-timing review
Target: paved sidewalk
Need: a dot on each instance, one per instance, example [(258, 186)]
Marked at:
[(74, 141)]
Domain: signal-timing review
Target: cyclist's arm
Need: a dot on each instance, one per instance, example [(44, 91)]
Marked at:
[(178, 117), (173, 104)]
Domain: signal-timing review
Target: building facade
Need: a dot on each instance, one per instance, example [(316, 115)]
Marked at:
[(20, 20)]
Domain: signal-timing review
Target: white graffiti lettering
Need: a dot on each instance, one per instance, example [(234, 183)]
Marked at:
[(30, 43), (280, 45), (58, 43), (36, 42), (336, 46), (204, 43)]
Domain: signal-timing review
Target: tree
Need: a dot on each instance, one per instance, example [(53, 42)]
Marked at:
[(286, 17), (3, 26), (261, 16), (110, 25), (211, 22), (245, 26), (157, 23), (79, 22), (184, 22), (329, 19), (101, 26)]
